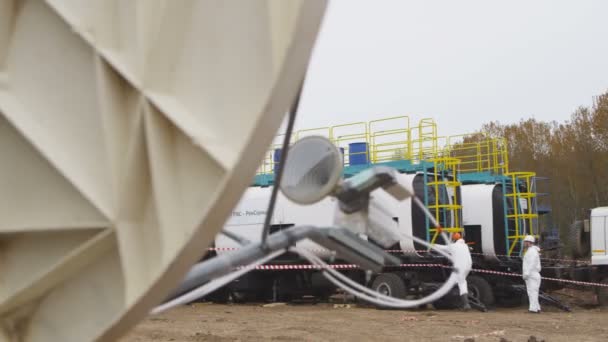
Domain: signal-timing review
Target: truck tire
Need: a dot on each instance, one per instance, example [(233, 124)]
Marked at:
[(389, 284), (602, 293), (481, 289), (579, 240)]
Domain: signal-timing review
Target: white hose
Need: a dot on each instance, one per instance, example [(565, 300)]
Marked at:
[(213, 285), (370, 295), (434, 247)]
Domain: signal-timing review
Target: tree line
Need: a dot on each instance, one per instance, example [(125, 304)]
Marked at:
[(573, 155)]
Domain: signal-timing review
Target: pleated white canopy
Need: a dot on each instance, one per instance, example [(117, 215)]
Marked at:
[(128, 132)]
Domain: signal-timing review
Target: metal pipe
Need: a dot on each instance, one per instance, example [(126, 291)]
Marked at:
[(226, 263)]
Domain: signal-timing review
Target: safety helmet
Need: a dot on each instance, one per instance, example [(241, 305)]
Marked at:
[(529, 238), (456, 236)]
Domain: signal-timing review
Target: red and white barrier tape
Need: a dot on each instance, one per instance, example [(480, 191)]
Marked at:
[(334, 266), (497, 255), (304, 267), (576, 282), (550, 259), (477, 270), (411, 251)]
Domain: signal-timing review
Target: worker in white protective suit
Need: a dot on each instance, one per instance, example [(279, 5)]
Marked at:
[(459, 251), (531, 272)]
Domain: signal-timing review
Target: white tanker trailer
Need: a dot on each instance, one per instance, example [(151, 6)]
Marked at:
[(487, 228), (485, 222), (247, 218)]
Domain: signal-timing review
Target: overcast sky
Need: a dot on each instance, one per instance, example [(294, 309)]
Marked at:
[(462, 62)]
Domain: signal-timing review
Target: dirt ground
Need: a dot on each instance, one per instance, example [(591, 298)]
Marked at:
[(336, 322)]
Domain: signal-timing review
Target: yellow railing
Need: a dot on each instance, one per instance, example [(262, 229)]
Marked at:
[(478, 153), (393, 139), (446, 186), (390, 139), (523, 212), (322, 131), (346, 134), (382, 140), (268, 163), (425, 141)]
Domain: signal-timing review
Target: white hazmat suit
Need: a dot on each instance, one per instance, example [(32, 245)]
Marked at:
[(531, 274), (459, 250)]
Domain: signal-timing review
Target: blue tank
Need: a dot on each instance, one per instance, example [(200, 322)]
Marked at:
[(276, 158), (358, 153)]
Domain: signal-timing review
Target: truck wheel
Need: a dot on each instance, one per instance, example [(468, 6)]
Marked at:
[(481, 290), (389, 284), (579, 241), (602, 293)]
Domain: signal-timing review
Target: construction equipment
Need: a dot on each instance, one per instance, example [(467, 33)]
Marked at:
[(312, 172), (466, 185)]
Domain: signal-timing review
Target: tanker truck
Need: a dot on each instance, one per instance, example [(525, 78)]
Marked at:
[(489, 226), (421, 277)]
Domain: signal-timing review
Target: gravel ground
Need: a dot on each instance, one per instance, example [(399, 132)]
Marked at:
[(340, 322)]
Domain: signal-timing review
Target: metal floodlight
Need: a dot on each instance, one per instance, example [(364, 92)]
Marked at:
[(312, 170)]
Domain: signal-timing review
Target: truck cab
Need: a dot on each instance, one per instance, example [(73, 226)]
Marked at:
[(599, 236)]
